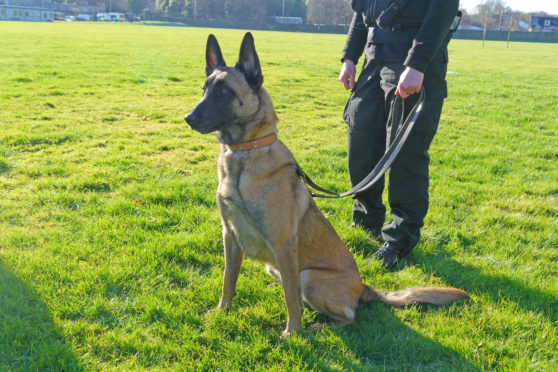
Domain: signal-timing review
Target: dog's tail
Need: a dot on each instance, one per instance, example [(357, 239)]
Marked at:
[(415, 295)]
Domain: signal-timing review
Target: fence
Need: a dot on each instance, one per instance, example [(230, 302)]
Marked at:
[(542, 37)]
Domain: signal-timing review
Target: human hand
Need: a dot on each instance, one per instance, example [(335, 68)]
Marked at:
[(410, 82), (347, 74)]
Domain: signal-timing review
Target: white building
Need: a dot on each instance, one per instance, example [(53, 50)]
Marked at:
[(26, 10)]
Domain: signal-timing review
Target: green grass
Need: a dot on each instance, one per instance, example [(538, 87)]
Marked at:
[(110, 246)]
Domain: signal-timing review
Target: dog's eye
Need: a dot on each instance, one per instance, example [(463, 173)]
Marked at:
[(223, 91)]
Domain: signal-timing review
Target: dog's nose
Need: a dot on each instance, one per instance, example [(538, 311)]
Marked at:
[(190, 118)]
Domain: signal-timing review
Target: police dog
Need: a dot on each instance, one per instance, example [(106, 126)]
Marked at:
[(266, 210)]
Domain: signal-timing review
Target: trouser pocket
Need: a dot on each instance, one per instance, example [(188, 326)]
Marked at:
[(346, 116)]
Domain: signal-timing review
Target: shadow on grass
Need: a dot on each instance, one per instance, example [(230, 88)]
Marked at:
[(4, 166), (165, 24), (29, 339), (378, 340), (471, 280)]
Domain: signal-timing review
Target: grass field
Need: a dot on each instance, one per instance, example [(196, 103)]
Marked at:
[(110, 240)]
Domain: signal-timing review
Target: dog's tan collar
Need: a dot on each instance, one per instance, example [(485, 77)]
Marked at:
[(255, 143)]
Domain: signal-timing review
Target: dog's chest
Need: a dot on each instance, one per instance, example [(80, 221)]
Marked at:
[(243, 224), (245, 229)]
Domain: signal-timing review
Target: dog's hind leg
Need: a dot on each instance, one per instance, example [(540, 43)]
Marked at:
[(233, 261), (333, 294)]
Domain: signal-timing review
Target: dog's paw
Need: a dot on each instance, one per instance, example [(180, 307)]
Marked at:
[(223, 307), (286, 334)]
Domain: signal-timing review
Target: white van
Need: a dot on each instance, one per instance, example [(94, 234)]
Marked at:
[(111, 17)]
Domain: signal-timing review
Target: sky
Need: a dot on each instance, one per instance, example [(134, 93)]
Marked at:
[(549, 6)]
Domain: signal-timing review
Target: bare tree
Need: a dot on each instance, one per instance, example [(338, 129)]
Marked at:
[(245, 10), (330, 12), (491, 12)]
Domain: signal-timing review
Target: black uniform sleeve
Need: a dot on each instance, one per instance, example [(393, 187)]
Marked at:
[(432, 33), (356, 39)]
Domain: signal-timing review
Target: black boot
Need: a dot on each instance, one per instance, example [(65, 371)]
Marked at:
[(390, 256)]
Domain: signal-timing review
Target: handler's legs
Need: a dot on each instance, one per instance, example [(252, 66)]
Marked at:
[(408, 176), (365, 116), (409, 180)]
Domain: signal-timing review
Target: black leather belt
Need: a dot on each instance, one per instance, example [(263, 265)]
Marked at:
[(399, 26)]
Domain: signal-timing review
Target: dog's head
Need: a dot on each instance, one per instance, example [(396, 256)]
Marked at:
[(230, 103)]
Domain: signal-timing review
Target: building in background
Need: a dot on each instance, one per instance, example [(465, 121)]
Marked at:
[(26, 10), (45, 10), (544, 24)]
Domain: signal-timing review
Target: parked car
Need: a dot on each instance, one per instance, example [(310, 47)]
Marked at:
[(132, 17), (83, 17)]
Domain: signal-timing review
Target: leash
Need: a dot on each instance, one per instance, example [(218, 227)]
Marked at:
[(403, 130)]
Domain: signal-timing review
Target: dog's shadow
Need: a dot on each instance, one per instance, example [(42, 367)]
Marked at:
[(378, 340)]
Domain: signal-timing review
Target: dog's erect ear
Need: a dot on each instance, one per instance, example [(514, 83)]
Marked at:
[(213, 56), (249, 63)]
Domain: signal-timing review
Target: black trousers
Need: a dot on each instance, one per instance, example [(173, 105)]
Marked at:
[(366, 114)]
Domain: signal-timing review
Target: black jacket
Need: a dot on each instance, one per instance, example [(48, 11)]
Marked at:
[(419, 31)]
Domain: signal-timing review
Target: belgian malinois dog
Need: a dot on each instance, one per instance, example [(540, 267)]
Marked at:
[(267, 212)]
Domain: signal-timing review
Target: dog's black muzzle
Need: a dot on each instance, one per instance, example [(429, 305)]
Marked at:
[(202, 126), (195, 123), (191, 119)]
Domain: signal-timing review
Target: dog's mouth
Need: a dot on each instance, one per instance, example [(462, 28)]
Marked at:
[(210, 129), (205, 128)]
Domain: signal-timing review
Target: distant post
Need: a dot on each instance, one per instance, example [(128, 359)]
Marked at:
[(484, 32), (509, 31)]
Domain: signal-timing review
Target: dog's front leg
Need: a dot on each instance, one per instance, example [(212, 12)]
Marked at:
[(233, 261), (286, 258)]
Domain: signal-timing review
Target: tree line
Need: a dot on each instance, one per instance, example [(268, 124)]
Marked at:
[(496, 14), (312, 11)]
